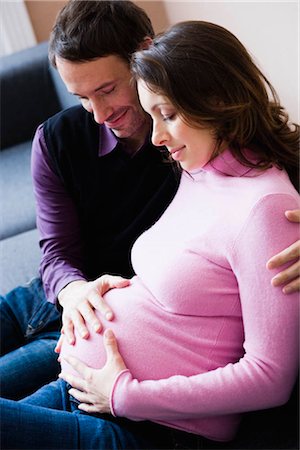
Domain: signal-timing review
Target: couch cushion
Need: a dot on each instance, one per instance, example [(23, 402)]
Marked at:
[(16, 193), (28, 96), (20, 257)]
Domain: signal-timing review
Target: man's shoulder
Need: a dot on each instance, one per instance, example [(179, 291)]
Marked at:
[(70, 118), (69, 132), (71, 126)]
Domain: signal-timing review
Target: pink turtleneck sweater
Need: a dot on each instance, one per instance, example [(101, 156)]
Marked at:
[(203, 333)]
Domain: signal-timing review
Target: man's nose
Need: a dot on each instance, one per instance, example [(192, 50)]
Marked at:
[(101, 110)]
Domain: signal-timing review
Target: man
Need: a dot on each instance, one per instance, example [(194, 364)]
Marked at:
[(99, 183)]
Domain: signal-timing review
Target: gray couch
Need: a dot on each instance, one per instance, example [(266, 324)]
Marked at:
[(31, 91)]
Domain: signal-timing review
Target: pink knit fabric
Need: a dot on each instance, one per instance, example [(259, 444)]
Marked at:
[(203, 333)]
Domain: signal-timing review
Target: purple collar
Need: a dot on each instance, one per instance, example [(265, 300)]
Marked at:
[(107, 141)]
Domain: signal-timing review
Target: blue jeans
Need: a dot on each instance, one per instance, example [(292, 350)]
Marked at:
[(29, 329), (50, 419)]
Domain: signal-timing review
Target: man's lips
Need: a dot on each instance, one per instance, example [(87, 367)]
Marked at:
[(115, 121)]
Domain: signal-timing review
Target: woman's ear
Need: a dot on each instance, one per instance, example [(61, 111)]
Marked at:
[(145, 44)]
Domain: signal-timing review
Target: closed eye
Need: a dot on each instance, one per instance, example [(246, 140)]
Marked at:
[(108, 91), (169, 117)]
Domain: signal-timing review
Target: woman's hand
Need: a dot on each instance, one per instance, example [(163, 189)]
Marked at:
[(93, 388), (289, 277), (80, 299)]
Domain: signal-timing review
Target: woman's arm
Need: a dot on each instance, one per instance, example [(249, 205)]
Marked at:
[(290, 277), (265, 375)]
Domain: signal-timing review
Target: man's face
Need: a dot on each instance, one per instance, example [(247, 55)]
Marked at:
[(105, 89)]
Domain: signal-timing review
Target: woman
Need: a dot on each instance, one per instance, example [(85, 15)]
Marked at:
[(203, 336)]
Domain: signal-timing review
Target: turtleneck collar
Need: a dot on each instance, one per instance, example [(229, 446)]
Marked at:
[(225, 164)]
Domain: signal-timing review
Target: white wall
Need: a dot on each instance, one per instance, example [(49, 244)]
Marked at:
[(268, 29), (16, 32)]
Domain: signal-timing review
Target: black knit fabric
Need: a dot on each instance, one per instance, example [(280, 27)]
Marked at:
[(117, 197)]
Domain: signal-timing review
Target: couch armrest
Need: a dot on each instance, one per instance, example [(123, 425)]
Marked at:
[(28, 95)]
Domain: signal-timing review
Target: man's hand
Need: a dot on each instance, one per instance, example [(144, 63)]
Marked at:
[(289, 277), (93, 388), (80, 299)]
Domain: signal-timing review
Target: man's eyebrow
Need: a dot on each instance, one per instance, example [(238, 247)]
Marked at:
[(99, 88)]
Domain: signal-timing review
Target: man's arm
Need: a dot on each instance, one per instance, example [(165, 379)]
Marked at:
[(289, 277), (61, 265), (57, 222)]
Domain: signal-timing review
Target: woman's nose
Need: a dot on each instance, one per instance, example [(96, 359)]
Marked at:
[(159, 135)]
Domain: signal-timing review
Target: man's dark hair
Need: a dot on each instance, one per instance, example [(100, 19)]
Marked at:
[(86, 30)]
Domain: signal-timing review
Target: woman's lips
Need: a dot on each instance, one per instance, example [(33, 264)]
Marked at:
[(176, 152)]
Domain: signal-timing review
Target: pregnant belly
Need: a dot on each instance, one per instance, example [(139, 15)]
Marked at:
[(153, 342), (133, 325)]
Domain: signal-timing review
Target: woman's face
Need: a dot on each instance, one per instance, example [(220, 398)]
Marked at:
[(191, 147)]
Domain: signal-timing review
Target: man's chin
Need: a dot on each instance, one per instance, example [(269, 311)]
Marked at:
[(127, 132), (120, 133)]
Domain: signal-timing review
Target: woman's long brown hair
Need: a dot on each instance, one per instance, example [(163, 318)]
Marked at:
[(212, 81)]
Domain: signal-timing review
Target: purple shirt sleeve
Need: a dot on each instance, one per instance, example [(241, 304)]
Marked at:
[(57, 222)]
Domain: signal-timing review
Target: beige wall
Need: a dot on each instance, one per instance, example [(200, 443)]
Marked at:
[(42, 14), (157, 12), (269, 30)]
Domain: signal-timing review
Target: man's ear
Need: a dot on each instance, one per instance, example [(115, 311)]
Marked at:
[(145, 44)]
